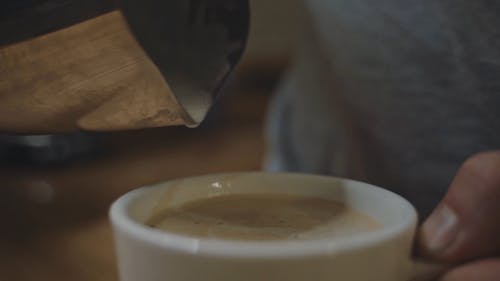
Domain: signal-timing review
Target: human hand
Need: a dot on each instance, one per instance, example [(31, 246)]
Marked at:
[(465, 227)]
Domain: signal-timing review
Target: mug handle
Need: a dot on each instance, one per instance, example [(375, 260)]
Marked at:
[(426, 271)]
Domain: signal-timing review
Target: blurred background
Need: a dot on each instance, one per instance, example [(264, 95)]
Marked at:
[(53, 208)]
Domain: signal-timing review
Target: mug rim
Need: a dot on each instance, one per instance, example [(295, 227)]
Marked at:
[(121, 221)]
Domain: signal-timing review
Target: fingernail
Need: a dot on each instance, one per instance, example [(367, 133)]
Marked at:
[(440, 230)]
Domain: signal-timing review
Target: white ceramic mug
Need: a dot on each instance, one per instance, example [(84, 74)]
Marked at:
[(148, 254)]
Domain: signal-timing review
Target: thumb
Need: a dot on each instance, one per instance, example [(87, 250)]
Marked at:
[(466, 224)]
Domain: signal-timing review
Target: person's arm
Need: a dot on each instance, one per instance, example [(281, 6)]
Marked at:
[(465, 228)]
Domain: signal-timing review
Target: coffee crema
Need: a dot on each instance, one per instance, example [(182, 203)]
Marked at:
[(264, 217)]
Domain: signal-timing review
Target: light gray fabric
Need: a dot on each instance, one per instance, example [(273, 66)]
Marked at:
[(394, 92)]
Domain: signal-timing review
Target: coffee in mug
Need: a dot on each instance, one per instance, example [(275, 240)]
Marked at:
[(264, 217), (266, 227)]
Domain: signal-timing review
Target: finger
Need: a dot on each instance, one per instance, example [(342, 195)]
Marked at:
[(487, 270), (466, 224)]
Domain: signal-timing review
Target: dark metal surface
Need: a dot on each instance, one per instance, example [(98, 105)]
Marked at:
[(194, 43), (24, 19), (18, 150)]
